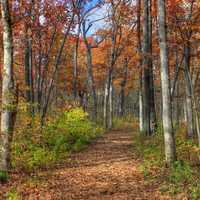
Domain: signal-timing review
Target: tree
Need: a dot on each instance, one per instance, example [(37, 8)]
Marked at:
[(120, 23), (28, 60), (91, 84), (146, 73), (139, 49), (8, 106), (122, 88), (170, 149), (148, 82)]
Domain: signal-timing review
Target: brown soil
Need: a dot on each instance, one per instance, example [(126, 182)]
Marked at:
[(106, 170)]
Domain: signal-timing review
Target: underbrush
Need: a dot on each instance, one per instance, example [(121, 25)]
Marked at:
[(13, 195), (120, 122), (182, 178), (34, 148)]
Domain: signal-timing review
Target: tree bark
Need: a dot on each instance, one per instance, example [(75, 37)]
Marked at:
[(110, 115), (122, 88), (189, 110), (75, 63), (169, 139), (146, 75), (108, 85), (194, 102), (28, 73), (8, 95), (141, 114), (151, 75), (105, 114), (91, 84)]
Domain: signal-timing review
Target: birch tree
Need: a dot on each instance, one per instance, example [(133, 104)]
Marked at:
[(169, 140), (7, 91)]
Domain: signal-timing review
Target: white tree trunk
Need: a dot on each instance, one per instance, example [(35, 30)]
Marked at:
[(170, 149), (188, 78), (185, 112), (141, 112), (7, 89), (110, 120), (189, 103), (105, 105)]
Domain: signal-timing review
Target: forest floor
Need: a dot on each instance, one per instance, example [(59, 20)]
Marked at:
[(106, 170)]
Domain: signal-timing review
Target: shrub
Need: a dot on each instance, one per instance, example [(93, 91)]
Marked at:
[(13, 195), (3, 176), (70, 128), (70, 131), (182, 177), (180, 172)]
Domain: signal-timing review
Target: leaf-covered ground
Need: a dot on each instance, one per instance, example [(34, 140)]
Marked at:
[(107, 169)]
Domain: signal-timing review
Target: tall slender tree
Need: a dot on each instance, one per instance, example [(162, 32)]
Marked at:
[(139, 49), (91, 84), (7, 89), (170, 148), (146, 74)]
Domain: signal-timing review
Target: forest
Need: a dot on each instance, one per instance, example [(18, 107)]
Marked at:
[(99, 99)]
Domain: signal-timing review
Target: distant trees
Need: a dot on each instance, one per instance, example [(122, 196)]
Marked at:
[(121, 28)]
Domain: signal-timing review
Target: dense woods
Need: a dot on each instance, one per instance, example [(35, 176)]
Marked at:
[(74, 70)]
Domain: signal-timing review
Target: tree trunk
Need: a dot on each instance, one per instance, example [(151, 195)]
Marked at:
[(122, 89), (146, 75), (28, 74), (7, 89), (110, 115), (121, 102), (28, 63), (185, 111), (187, 73), (177, 107), (38, 81), (105, 116), (91, 84), (189, 110), (151, 75), (75, 64), (108, 85), (169, 139), (57, 63), (141, 114)]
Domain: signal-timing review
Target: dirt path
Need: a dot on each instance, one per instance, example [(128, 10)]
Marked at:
[(106, 170)]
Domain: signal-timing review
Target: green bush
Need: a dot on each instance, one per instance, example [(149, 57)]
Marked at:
[(3, 176), (29, 155), (70, 128), (194, 191), (70, 131), (39, 157), (13, 195), (180, 172), (180, 178)]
